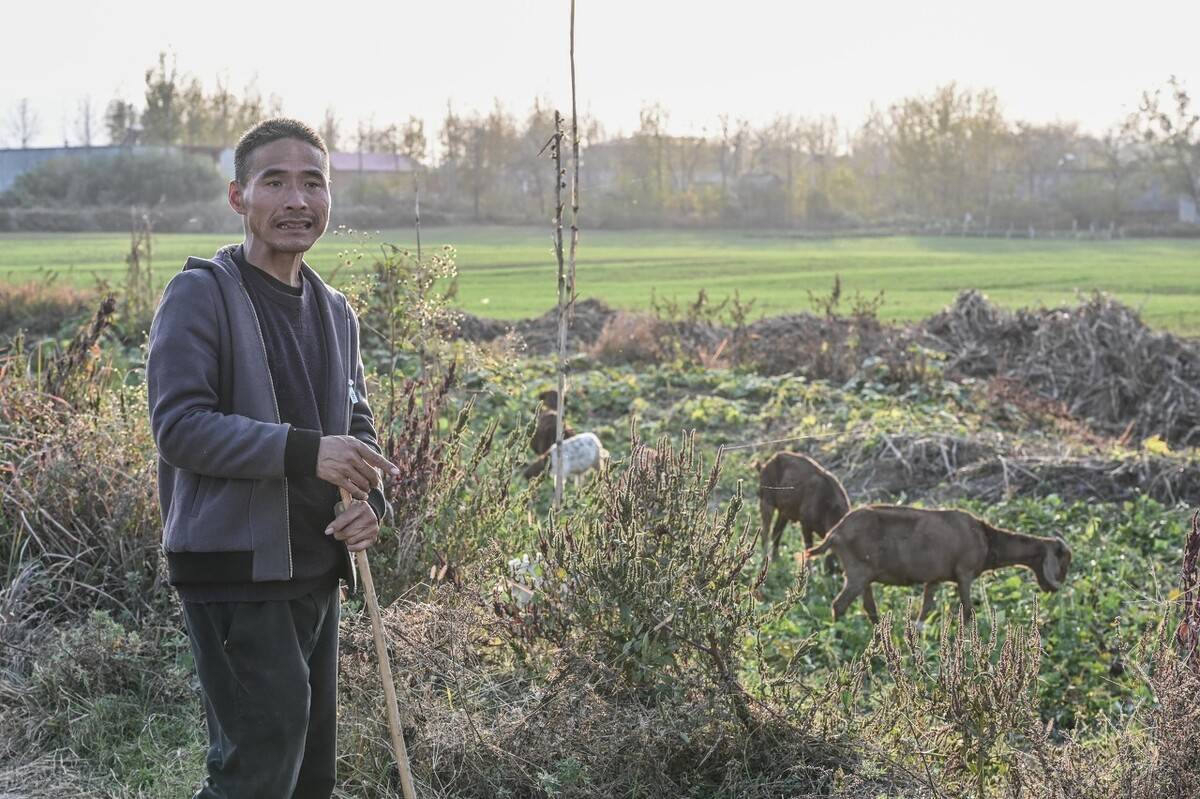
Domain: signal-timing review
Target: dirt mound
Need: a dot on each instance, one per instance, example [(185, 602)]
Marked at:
[(1098, 358), (828, 347), (540, 334), (699, 338), (478, 329), (588, 319)]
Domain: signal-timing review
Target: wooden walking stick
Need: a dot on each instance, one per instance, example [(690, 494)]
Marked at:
[(385, 668)]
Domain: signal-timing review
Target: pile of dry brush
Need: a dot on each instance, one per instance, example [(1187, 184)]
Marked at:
[(1099, 358)]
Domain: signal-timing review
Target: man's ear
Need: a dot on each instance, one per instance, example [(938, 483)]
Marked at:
[(235, 197)]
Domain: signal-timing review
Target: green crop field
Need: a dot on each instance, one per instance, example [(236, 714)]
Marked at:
[(509, 272)]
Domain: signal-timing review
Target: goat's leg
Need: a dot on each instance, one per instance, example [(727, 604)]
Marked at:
[(831, 563), (927, 601), (766, 511), (869, 604), (850, 591), (806, 531), (777, 535), (964, 596)]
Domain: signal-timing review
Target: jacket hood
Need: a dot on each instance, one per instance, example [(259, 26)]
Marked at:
[(223, 258)]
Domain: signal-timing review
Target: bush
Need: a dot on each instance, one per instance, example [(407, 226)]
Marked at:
[(41, 308), (204, 217), (981, 694), (651, 580), (79, 524), (483, 726), (133, 178)]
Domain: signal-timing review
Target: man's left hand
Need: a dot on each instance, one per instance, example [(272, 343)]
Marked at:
[(356, 525)]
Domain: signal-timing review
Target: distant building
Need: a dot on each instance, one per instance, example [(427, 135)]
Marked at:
[(351, 170)]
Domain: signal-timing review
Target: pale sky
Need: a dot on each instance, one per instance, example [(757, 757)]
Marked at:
[(1048, 60)]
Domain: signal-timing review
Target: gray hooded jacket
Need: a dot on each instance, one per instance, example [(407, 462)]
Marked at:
[(221, 482)]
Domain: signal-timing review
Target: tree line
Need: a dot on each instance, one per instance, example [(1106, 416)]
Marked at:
[(949, 158)]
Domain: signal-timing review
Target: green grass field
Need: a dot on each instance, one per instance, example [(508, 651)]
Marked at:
[(509, 272)]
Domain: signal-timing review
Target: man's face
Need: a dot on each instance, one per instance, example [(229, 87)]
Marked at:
[(286, 197)]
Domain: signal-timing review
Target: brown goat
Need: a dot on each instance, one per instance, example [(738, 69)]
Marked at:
[(543, 434), (549, 398), (795, 488), (897, 545)]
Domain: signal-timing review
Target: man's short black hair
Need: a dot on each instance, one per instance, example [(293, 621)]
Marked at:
[(270, 130)]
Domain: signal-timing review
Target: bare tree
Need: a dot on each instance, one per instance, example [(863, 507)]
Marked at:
[(775, 149), (413, 142), (944, 147), (162, 121), (533, 182), (85, 121), (196, 124), (252, 109), (1172, 131), (1041, 151), (223, 113), (330, 129), (1115, 154), (817, 139), (871, 159), (121, 122), (732, 151), (485, 146), (652, 128), (24, 124)]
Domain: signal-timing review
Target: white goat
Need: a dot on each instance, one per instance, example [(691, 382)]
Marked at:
[(580, 454)]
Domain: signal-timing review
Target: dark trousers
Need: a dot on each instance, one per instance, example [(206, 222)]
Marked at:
[(268, 671)]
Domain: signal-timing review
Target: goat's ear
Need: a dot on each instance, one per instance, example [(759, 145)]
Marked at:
[(1050, 568)]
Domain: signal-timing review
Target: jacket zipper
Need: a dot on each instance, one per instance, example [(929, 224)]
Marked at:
[(287, 522), (349, 404), (349, 375)]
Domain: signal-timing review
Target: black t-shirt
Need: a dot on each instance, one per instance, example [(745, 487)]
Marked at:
[(294, 335)]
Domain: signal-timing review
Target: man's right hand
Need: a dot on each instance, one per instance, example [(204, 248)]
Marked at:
[(350, 464)]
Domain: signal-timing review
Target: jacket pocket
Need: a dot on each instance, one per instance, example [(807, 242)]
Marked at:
[(199, 491)]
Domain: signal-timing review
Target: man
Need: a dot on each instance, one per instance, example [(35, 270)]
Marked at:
[(259, 412)]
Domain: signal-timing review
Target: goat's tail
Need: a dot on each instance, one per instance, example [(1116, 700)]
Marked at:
[(819, 549)]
